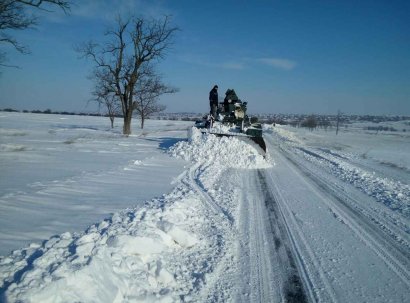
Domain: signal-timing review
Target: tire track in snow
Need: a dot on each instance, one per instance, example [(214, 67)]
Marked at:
[(315, 282), (269, 263), (313, 275), (195, 184), (293, 288), (393, 225), (215, 290), (363, 223), (393, 194), (257, 268)]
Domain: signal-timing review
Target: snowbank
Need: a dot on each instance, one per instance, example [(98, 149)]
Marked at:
[(154, 254), (234, 152)]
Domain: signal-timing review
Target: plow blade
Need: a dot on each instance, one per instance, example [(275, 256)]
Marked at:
[(260, 142)]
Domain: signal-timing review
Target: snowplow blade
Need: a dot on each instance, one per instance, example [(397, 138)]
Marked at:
[(257, 142), (260, 142)]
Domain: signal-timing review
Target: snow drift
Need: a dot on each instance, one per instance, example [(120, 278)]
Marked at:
[(225, 151)]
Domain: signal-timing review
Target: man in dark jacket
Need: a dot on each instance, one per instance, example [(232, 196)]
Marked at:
[(213, 100)]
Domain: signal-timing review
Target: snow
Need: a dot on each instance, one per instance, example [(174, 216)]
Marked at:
[(389, 148), (128, 257), (169, 214), (219, 151), (155, 252), (346, 161), (62, 173)]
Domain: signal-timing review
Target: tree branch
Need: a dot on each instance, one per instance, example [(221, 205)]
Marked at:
[(64, 5)]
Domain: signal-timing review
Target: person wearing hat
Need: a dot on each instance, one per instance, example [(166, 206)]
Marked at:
[(213, 100)]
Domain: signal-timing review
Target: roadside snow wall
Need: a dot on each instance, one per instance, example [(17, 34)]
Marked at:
[(224, 151)]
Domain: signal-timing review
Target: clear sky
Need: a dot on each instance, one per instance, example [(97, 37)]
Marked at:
[(281, 56)]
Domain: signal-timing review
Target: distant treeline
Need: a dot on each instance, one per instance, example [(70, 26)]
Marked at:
[(49, 111), (295, 120), (382, 128)]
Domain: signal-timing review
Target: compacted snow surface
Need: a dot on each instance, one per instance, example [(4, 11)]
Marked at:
[(203, 219)]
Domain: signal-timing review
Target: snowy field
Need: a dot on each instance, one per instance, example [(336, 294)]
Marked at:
[(62, 173), (88, 215)]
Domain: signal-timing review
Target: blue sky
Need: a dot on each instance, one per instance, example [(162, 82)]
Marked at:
[(281, 56)]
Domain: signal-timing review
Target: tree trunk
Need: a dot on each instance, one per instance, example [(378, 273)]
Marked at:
[(127, 123), (112, 121), (142, 122)]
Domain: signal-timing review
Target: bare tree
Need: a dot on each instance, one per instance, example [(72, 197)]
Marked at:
[(14, 16), (147, 92), (107, 100), (310, 122), (120, 62)]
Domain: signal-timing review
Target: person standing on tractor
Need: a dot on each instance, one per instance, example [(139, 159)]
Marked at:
[(213, 100)]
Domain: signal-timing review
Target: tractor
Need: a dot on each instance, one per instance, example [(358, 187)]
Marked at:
[(231, 114)]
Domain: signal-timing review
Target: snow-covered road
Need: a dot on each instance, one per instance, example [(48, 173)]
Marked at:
[(305, 234), (306, 224), (351, 248)]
